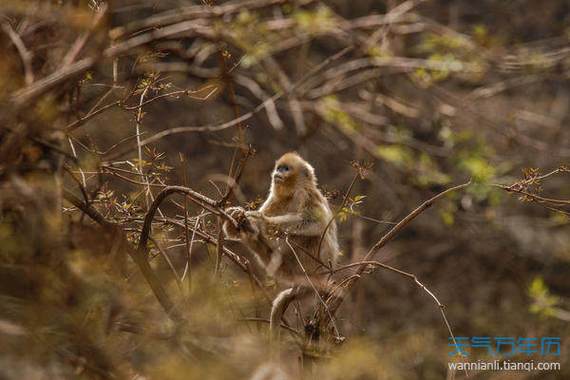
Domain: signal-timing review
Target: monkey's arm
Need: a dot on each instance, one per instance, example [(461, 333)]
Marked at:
[(298, 224)]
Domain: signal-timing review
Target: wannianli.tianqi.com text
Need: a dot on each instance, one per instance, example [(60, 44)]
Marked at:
[(504, 365)]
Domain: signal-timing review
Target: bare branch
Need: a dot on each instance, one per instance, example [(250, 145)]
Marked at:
[(25, 54)]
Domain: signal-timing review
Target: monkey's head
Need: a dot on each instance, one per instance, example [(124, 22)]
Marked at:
[(292, 172)]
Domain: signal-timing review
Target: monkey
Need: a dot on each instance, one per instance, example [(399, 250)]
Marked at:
[(293, 233), (296, 210)]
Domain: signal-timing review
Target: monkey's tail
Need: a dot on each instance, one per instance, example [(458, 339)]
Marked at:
[(279, 307)]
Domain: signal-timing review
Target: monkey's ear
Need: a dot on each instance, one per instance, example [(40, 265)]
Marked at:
[(309, 171)]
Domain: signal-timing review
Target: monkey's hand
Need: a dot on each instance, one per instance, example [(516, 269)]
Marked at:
[(246, 224)]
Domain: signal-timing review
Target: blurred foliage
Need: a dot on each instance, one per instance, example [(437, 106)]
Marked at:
[(112, 101)]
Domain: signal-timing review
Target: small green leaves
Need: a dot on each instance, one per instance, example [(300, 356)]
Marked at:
[(333, 113), (314, 22), (543, 302)]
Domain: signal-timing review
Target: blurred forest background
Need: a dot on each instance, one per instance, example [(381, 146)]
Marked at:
[(105, 103)]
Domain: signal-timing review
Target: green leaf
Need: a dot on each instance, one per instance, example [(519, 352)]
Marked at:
[(543, 300), (396, 154)]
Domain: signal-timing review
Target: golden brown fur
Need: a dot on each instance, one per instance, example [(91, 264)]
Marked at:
[(297, 206), (286, 231), (294, 209)]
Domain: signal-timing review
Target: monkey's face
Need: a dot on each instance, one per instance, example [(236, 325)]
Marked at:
[(284, 173), (287, 170), (291, 171)]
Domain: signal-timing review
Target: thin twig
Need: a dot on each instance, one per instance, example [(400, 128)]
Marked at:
[(414, 278), (535, 197), (77, 123), (220, 248)]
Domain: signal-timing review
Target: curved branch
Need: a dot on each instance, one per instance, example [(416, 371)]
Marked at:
[(199, 199), (335, 301), (404, 222), (202, 201)]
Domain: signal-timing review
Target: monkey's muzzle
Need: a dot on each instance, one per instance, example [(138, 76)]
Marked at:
[(278, 178)]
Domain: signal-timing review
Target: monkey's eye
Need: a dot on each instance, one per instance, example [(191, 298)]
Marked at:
[(283, 168)]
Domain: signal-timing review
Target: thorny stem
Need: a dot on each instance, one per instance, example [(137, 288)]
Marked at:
[(138, 133), (220, 248), (535, 197)]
